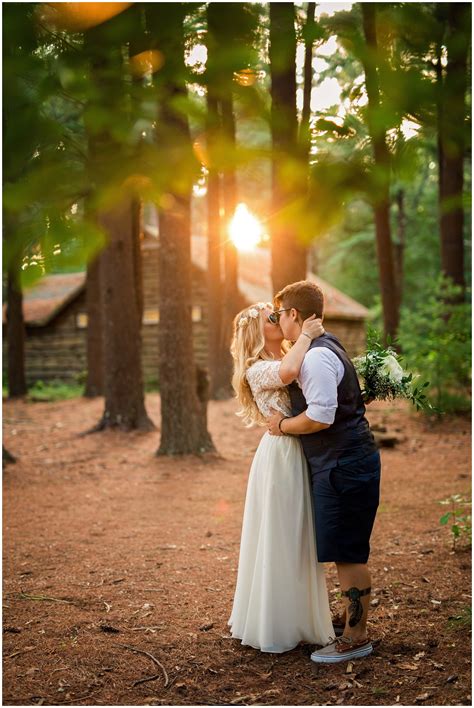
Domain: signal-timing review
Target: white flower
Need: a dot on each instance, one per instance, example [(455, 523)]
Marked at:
[(243, 321), (392, 368), (253, 313)]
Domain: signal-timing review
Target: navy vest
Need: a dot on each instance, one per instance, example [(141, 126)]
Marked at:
[(349, 437)]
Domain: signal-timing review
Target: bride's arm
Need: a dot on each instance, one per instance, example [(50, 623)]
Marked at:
[(291, 363)]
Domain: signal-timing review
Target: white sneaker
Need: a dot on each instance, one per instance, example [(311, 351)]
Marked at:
[(342, 650)]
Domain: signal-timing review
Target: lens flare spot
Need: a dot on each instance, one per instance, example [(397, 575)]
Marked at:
[(245, 230), (248, 77), (146, 62), (78, 16), (200, 150)]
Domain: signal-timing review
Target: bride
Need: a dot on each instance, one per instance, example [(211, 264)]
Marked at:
[(281, 596)]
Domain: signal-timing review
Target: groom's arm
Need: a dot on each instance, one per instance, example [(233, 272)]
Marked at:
[(297, 425), (320, 375)]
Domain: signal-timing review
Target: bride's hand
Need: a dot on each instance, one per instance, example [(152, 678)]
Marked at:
[(313, 327)]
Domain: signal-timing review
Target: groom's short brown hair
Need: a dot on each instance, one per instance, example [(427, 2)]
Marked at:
[(304, 296)]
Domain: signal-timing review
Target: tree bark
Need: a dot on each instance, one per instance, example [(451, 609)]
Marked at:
[(137, 237), (223, 58), (231, 296), (183, 426), (183, 419), (439, 126), (123, 383), (381, 202), (121, 349), (229, 184), (452, 143), (304, 132), (400, 244), (94, 381), (7, 456), (289, 255), (218, 372), (15, 331)]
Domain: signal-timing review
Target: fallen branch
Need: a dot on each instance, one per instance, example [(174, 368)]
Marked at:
[(150, 656), (21, 651), (144, 680), (26, 596), (74, 700)]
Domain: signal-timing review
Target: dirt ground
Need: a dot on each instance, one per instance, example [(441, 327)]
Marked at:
[(108, 548)]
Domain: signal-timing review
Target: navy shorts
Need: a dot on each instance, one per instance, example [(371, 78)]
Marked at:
[(345, 499)]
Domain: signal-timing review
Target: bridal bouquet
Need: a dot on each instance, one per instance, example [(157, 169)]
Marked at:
[(383, 378)]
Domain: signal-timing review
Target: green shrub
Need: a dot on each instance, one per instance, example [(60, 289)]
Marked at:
[(461, 621), (152, 384), (54, 391), (435, 338), (459, 519)]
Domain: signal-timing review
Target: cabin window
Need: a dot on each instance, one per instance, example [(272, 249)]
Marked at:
[(81, 320), (151, 317)]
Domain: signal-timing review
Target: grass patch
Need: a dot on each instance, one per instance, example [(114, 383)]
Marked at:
[(54, 391), (151, 385), (379, 691), (463, 620)]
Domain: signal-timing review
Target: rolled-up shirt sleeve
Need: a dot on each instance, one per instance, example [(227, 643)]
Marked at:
[(320, 375)]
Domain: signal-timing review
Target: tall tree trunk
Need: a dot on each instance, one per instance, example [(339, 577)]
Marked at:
[(183, 425), (218, 372), (439, 125), (137, 238), (94, 385), (229, 184), (222, 58), (94, 381), (304, 131), (231, 296), (7, 456), (183, 419), (400, 243), (15, 332), (381, 204), (122, 372), (289, 255), (452, 141), (139, 42), (123, 383)]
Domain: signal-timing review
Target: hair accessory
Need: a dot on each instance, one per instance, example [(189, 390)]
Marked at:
[(251, 314)]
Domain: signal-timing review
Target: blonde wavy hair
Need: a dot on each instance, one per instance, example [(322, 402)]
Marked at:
[(247, 347)]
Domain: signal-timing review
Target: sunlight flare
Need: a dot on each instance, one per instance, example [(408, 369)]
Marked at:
[(245, 230), (79, 16)]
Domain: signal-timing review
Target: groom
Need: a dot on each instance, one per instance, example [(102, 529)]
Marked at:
[(329, 415)]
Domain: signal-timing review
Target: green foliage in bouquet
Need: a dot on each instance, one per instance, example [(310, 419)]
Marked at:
[(382, 376)]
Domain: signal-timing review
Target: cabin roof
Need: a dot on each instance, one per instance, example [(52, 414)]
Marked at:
[(256, 286), (47, 298)]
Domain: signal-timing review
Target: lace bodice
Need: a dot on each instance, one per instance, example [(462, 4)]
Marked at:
[(268, 389)]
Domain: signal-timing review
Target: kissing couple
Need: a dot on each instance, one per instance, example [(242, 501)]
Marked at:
[(313, 488)]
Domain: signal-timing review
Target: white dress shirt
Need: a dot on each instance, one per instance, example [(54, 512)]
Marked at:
[(320, 375)]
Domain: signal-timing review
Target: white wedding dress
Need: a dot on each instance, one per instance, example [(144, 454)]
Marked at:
[(281, 597)]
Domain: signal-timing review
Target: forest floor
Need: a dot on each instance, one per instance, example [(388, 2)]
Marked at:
[(108, 547)]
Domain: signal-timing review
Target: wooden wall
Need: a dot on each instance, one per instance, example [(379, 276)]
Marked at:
[(350, 332), (58, 350)]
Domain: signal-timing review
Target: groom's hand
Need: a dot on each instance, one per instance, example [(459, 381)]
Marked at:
[(273, 422)]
